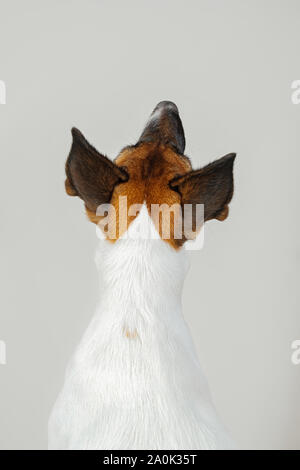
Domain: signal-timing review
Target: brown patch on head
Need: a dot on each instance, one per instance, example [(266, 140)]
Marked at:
[(150, 168)]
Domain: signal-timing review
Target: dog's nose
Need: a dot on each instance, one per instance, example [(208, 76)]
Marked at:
[(164, 126), (167, 105)]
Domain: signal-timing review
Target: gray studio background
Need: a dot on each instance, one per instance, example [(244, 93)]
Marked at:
[(102, 66)]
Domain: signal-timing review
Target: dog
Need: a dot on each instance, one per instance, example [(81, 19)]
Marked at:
[(134, 381)]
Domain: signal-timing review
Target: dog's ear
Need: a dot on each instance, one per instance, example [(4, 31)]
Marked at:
[(212, 186), (91, 175)]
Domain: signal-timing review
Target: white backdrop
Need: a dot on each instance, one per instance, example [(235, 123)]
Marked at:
[(102, 66)]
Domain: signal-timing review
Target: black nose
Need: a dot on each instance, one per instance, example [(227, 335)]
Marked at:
[(164, 126), (167, 105)]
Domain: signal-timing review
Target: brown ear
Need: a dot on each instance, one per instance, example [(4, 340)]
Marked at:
[(212, 186), (91, 175)]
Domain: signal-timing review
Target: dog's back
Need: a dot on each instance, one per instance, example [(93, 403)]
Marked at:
[(135, 381)]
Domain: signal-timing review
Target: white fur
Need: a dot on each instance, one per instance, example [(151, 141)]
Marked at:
[(135, 381)]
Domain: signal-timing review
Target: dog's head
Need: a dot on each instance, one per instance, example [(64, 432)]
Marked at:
[(154, 172)]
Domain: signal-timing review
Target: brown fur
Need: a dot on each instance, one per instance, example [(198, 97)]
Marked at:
[(150, 168)]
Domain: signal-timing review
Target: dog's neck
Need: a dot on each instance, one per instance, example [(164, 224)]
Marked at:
[(142, 276)]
